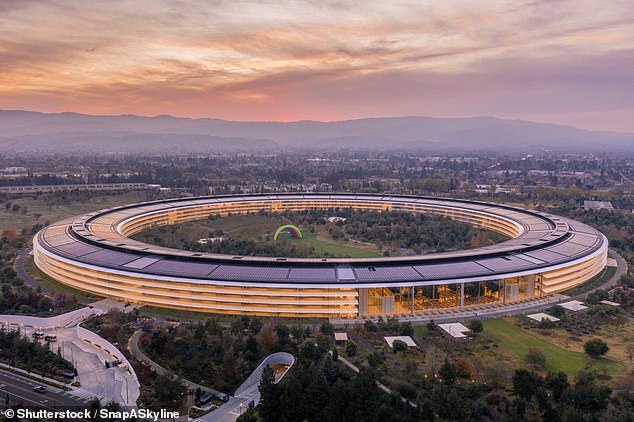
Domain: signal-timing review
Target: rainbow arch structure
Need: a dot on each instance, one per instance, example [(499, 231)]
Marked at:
[(293, 230)]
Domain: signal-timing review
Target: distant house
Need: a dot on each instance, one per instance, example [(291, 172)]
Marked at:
[(341, 337), (597, 205)]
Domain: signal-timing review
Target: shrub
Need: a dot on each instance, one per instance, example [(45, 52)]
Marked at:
[(406, 329), (352, 349), (476, 326), (370, 326), (596, 348), (557, 311), (535, 357), (546, 324), (399, 346)]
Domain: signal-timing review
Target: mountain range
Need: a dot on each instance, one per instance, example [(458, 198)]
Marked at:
[(25, 131)]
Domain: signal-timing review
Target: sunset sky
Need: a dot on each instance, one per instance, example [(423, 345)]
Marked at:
[(568, 62)]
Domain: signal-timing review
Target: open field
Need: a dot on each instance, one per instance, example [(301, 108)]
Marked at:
[(53, 207), (334, 249), (518, 341), (254, 226)]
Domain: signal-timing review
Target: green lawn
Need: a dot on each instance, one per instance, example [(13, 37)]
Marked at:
[(517, 341), (334, 249), (420, 331)]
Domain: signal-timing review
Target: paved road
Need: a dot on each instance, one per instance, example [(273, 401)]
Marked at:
[(20, 391), (135, 350), (87, 351), (21, 271), (621, 269)]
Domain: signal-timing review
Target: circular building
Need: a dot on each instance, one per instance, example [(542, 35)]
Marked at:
[(544, 255)]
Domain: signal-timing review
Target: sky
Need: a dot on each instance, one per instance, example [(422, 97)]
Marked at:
[(569, 62)]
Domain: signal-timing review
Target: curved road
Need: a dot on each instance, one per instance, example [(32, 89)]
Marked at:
[(621, 269), (135, 350), (21, 271)]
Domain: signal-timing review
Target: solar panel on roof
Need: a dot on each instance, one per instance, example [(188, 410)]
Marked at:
[(531, 259), (583, 240), (184, 268), (58, 240), (545, 255), (238, 272), (312, 274), (568, 249), (77, 249), (141, 262), (504, 264), (104, 256), (453, 269), (386, 273)]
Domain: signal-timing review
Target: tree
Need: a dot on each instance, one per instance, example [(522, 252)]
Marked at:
[(407, 329), (370, 326), (546, 324), (399, 346), (557, 311), (351, 349), (269, 408), (526, 383), (327, 328), (535, 358), (376, 359), (595, 348), (448, 372), (169, 389), (476, 326), (533, 412), (629, 351), (557, 383)]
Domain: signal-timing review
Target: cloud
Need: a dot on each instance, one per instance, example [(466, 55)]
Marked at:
[(306, 59)]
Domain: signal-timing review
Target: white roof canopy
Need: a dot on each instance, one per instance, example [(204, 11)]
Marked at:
[(454, 329), (405, 339)]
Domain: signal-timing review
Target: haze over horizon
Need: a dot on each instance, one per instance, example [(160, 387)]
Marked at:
[(559, 62)]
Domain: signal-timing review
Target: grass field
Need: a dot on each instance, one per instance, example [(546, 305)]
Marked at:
[(518, 341), (52, 207), (334, 249)]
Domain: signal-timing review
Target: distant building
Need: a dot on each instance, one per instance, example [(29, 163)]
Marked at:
[(341, 337), (597, 205), (26, 189), (336, 219)]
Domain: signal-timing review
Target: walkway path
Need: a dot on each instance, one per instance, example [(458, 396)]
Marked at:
[(453, 315), (378, 384), (21, 271), (87, 351), (135, 350), (495, 310), (248, 394)]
